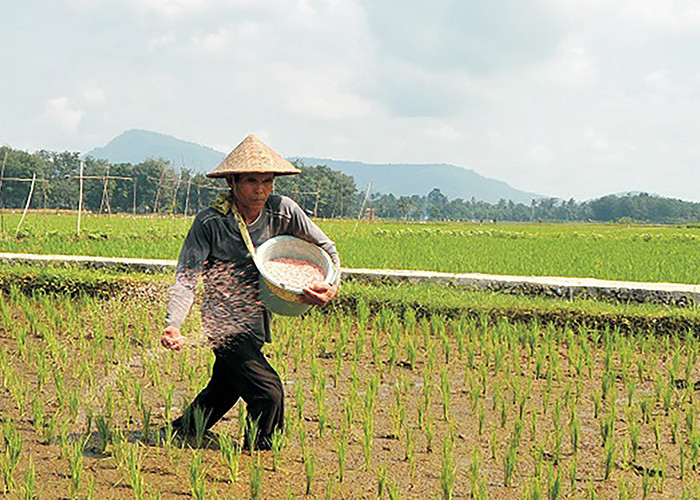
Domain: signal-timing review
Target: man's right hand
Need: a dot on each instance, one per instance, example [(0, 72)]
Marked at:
[(172, 338)]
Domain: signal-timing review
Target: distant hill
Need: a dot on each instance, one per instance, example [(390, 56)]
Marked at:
[(135, 146), (409, 178)]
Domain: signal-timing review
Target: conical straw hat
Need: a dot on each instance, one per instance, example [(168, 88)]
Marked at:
[(253, 156)]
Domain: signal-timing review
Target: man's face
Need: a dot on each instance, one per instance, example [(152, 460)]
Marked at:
[(252, 191)]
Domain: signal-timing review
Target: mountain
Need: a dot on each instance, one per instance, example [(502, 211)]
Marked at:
[(135, 146), (409, 178)]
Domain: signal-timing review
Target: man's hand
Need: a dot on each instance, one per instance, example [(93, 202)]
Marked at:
[(319, 294), (172, 338)]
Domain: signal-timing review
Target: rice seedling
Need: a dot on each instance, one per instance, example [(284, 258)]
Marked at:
[(134, 464), (230, 453), (9, 455), (256, 476), (447, 470), (381, 480), (198, 482)]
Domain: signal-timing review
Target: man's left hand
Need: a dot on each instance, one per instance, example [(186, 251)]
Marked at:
[(319, 294)]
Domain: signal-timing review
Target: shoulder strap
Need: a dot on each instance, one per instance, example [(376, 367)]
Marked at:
[(243, 227)]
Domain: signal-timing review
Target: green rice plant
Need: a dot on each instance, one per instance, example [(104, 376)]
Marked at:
[(410, 452), (198, 483), (230, 453), (553, 484), (330, 487), (448, 469), (504, 412), (411, 353), (374, 344), (10, 454), (309, 467), (251, 432), (368, 438), (625, 490), (134, 463), (690, 420), (474, 468), (509, 463), (104, 433), (482, 419), (674, 426), (534, 492), (645, 483), (256, 476), (657, 434), (29, 490), (299, 399), (429, 433), (634, 436), (445, 391), (631, 386), (381, 480), (276, 445), (342, 449), (573, 471), (609, 456), (575, 426), (75, 466), (607, 426)]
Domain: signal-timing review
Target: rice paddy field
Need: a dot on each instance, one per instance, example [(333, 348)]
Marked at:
[(621, 252), (396, 392)]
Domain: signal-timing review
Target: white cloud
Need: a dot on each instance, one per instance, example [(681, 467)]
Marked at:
[(171, 8), (444, 133), (572, 64), (541, 153), (212, 43), (593, 139), (61, 111), (92, 93), (323, 94), (160, 42)]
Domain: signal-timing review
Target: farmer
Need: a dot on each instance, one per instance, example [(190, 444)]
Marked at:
[(236, 323)]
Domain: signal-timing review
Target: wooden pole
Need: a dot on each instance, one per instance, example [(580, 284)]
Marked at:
[(80, 195), (29, 201), (177, 187), (187, 196), (2, 204), (160, 183), (134, 195)]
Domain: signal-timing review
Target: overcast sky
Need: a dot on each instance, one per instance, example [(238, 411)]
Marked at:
[(566, 98)]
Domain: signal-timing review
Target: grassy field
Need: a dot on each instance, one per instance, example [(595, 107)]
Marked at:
[(635, 253), (397, 391), (380, 402)]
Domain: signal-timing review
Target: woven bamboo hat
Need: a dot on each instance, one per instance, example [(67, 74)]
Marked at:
[(253, 156)]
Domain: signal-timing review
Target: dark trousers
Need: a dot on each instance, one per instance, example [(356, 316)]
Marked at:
[(240, 372)]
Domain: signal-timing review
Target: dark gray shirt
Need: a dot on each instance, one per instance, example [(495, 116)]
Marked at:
[(215, 250)]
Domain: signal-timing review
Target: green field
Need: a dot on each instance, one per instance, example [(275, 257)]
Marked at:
[(394, 391), (381, 402), (634, 253)]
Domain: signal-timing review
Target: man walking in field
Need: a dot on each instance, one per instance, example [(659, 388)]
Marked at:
[(236, 323)]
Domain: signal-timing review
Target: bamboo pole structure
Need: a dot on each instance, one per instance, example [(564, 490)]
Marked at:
[(187, 196), (80, 195), (29, 201), (2, 205)]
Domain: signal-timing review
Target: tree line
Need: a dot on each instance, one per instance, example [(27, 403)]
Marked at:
[(156, 186)]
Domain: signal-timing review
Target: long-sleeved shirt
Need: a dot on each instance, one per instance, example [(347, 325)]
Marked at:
[(214, 249)]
